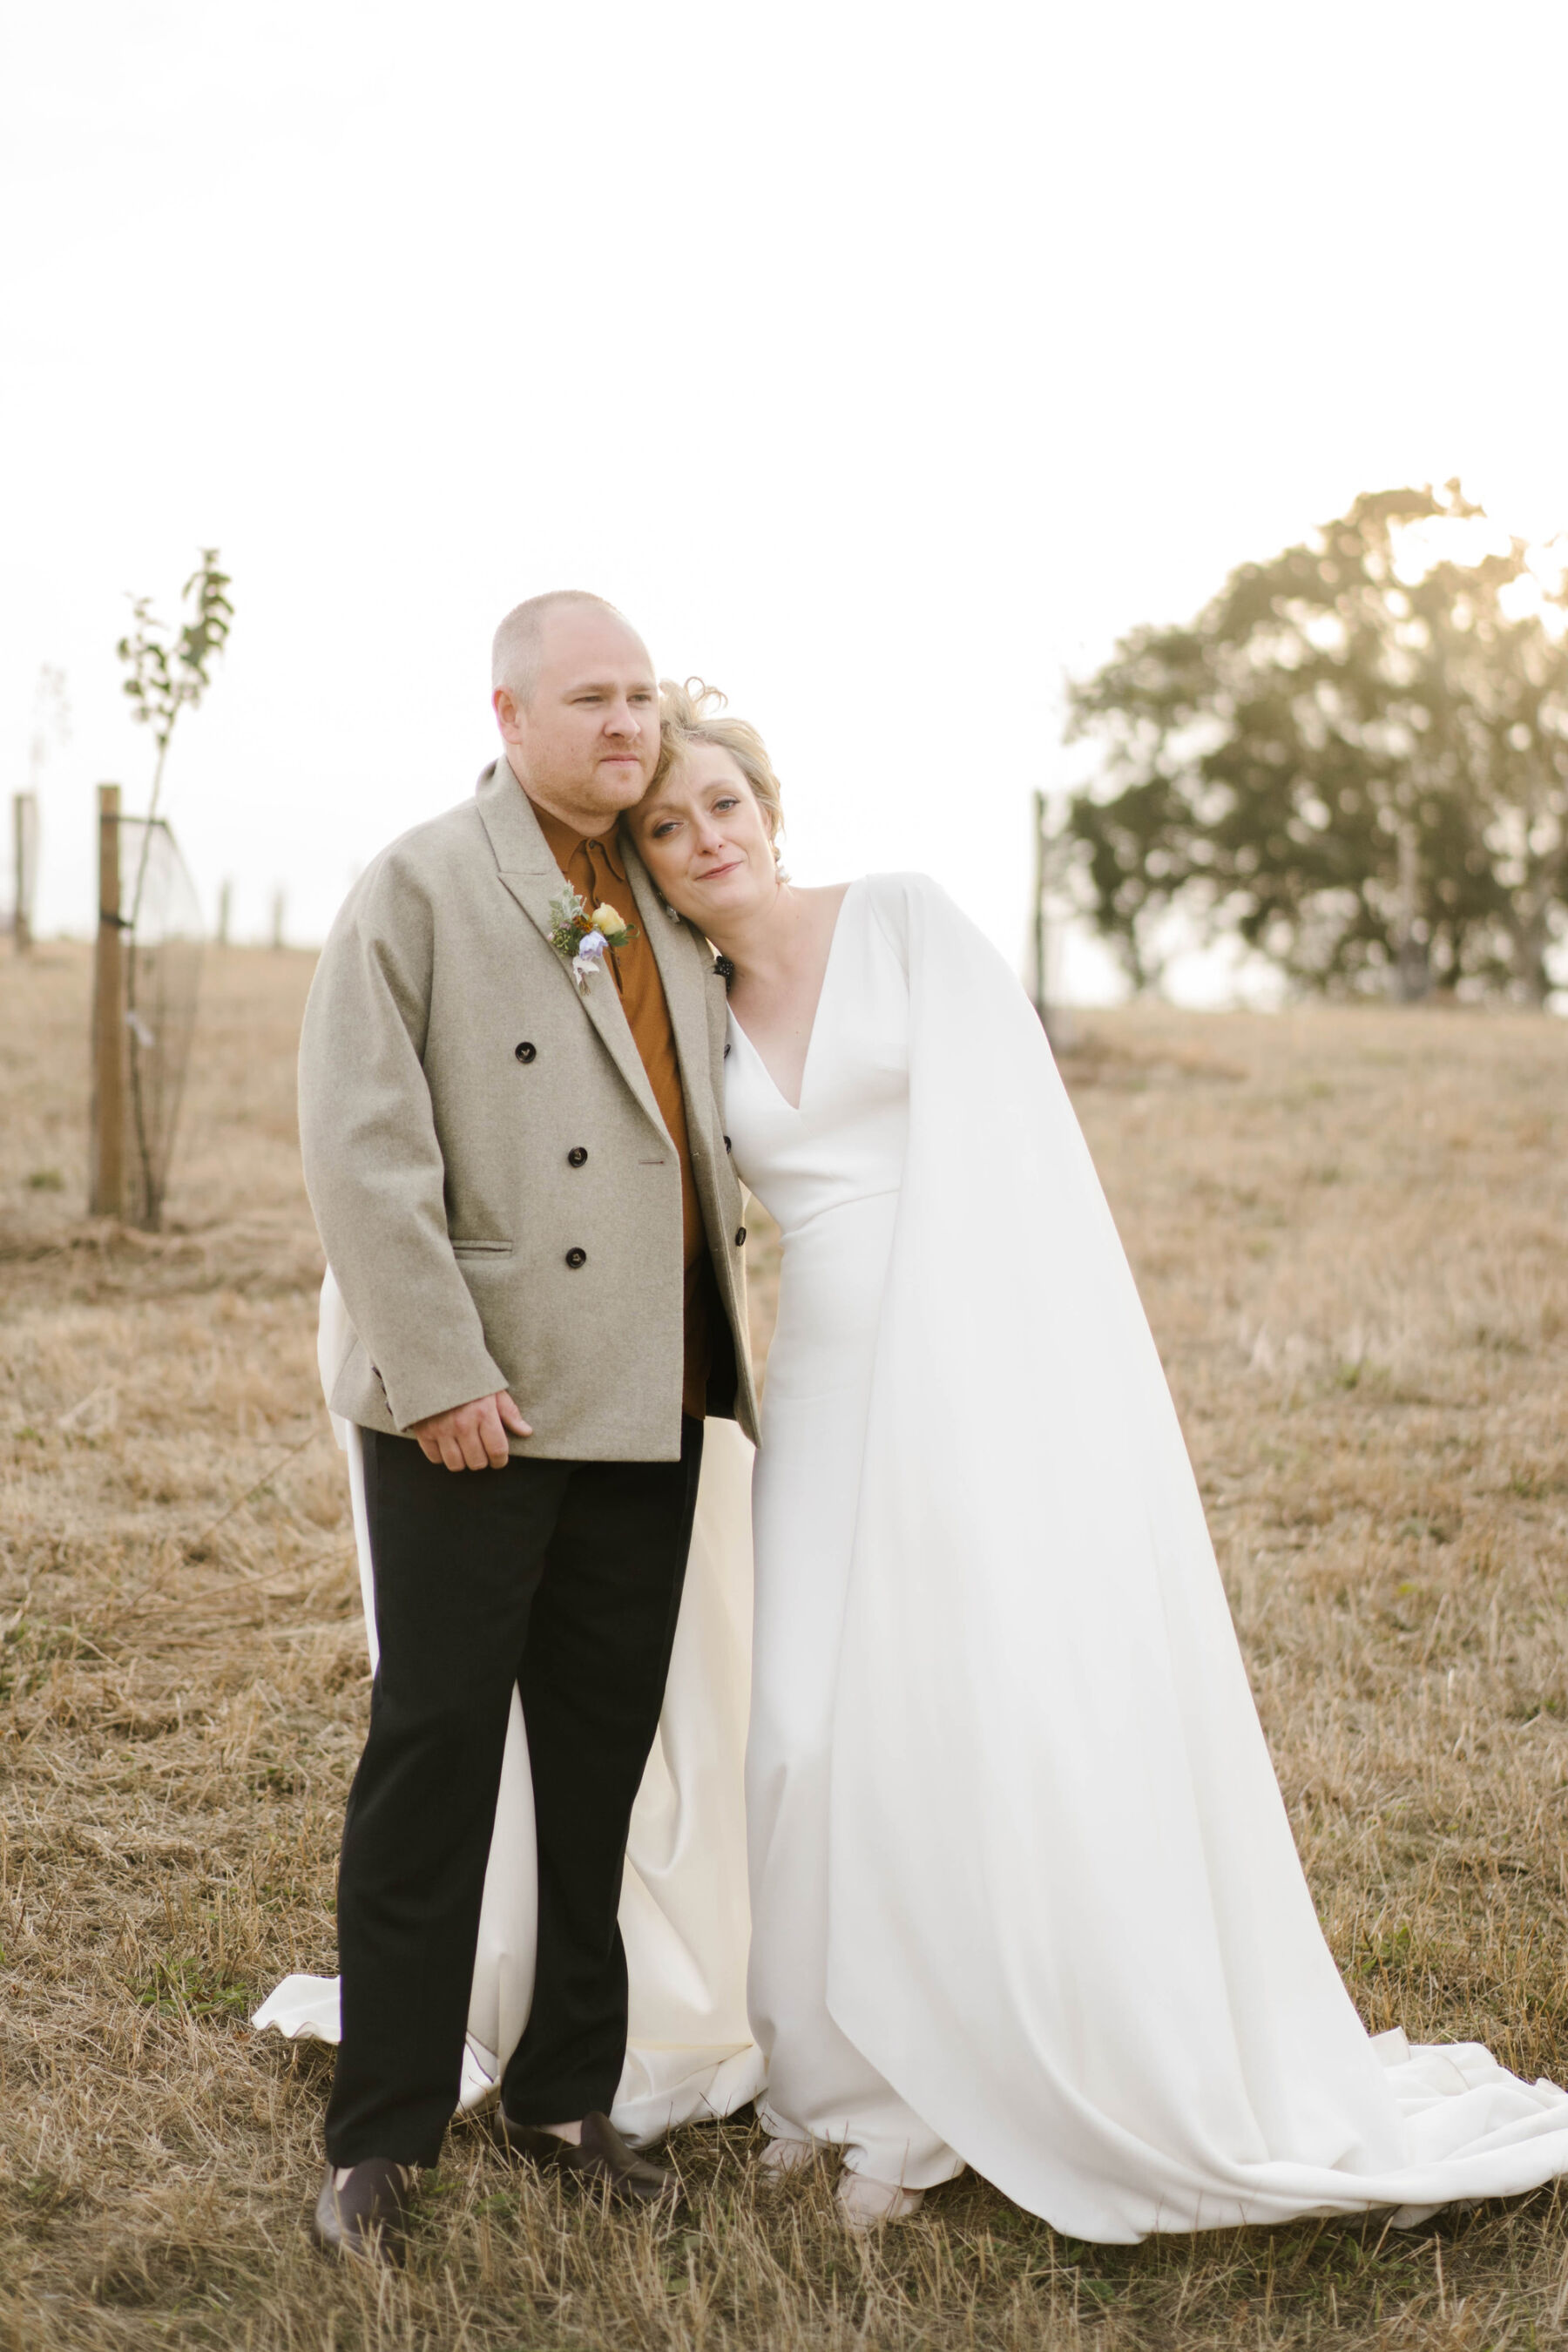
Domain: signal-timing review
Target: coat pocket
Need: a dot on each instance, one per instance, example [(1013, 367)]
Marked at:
[(481, 1249)]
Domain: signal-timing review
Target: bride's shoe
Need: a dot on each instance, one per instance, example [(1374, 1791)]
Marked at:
[(867, 2204), (782, 2156)]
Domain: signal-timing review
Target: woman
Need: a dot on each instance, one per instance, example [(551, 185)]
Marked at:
[(1024, 1890)]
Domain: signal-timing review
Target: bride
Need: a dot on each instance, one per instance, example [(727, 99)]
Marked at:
[(1024, 1891)]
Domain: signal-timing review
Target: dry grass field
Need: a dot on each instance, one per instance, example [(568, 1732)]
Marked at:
[(1350, 1231)]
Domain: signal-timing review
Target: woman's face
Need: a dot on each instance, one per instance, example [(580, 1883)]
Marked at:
[(705, 841)]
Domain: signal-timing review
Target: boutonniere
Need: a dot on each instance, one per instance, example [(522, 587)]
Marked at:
[(580, 937)]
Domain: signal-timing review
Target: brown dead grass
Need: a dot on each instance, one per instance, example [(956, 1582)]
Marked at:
[(1349, 1228)]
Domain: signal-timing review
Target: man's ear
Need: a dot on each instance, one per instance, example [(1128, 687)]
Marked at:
[(503, 702)]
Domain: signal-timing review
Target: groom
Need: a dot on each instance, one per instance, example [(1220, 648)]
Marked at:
[(524, 1190)]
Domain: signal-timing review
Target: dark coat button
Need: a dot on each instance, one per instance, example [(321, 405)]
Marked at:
[(577, 1156), (740, 1236), (728, 1144), (525, 1052), (576, 1257)]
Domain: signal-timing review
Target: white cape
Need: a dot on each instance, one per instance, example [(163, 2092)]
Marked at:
[(1068, 1920), (685, 1914)]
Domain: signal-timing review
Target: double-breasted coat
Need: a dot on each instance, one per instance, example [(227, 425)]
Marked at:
[(495, 1189)]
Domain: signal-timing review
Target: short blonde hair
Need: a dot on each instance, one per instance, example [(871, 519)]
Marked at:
[(690, 714), (519, 642)]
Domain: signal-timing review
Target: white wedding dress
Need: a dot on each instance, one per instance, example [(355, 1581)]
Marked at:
[(1024, 1891)]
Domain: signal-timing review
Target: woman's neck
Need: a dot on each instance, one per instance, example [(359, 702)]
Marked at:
[(760, 942)]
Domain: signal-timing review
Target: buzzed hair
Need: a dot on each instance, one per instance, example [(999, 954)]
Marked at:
[(520, 640)]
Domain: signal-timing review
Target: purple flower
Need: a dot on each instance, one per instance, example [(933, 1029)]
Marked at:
[(588, 958)]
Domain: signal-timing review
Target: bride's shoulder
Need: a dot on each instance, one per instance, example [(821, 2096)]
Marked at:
[(906, 909), (921, 920), (900, 889), (895, 896)]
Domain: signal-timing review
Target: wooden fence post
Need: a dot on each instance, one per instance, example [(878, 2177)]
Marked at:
[(23, 842), (1055, 1019), (1038, 912), (106, 1191)]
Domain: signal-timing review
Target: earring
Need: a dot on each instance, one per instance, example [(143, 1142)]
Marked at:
[(670, 911)]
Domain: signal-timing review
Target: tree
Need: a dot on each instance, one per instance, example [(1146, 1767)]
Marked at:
[(1356, 756), (167, 673)]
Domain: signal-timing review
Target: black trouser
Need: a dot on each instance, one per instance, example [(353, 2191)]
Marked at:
[(565, 1579)]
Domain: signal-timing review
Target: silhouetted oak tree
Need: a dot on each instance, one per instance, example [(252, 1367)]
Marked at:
[(1356, 756)]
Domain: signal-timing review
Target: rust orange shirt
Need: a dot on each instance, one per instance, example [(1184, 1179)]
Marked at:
[(593, 866)]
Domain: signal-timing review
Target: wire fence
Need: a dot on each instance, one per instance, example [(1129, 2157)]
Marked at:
[(163, 935)]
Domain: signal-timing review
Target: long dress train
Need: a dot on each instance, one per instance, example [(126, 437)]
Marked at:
[(1024, 1893)]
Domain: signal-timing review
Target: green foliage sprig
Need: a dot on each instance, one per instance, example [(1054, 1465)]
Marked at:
[(171, 671)]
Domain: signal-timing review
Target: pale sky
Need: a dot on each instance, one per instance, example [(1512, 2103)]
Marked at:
[(883, 362)]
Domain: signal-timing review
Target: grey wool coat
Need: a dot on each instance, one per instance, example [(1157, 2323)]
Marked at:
[(496, 1191)]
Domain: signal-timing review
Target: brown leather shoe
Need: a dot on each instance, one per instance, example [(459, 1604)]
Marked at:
[(603, 2159), (365, 2218)]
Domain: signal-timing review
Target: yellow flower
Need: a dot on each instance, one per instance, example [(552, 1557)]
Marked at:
[(605, 919)]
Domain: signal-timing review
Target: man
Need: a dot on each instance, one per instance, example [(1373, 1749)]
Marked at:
[(518, 1170)]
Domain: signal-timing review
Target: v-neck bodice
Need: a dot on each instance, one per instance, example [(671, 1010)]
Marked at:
[(845, 1141)]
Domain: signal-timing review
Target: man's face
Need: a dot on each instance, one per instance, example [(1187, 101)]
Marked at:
[(586, 743)]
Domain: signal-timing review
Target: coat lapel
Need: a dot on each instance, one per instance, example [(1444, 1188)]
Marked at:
[(684, 968), (530, 873)]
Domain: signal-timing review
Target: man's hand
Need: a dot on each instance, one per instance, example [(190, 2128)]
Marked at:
[(472, 1436)]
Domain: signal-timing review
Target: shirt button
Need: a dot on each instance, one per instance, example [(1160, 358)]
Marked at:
[(576, 1257), (577, 1156), (740, 1236), (525, 1052)]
